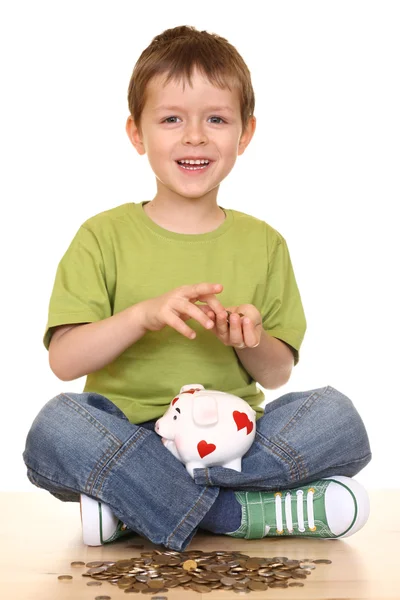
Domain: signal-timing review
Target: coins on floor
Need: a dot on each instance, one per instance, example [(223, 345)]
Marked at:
[(155, 572)]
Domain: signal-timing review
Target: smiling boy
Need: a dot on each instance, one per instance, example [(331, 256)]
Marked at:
[(125, 289)]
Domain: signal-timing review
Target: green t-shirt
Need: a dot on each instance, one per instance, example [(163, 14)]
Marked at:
[(121, 257)]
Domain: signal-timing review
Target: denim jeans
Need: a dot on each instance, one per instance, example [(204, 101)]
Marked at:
[(83, 443)]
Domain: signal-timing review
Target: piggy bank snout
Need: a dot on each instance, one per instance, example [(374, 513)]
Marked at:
[(164, 428)]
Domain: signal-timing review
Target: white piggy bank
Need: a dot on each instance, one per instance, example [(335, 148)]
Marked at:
[(204, 428)]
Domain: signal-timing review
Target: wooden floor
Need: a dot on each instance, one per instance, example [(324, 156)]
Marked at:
[(40, 536)]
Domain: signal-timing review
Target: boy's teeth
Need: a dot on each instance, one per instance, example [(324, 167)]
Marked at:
[(193, 162)]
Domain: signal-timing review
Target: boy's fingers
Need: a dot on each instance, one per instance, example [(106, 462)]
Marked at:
[(176, 323), (250, 335), (214, 303), (206, 310), (222, 322), (235, 330), (197, 312), (205, 292), (202, 289)]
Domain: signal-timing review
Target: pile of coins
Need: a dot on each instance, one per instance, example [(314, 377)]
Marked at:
[(155, 572)]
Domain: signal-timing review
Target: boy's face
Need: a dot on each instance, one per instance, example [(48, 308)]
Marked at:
[(195, 128)]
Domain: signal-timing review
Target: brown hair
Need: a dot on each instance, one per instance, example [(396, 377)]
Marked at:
[(177, 52)]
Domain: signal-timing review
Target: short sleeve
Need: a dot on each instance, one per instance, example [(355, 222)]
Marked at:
[(79, 293), (282, 310)]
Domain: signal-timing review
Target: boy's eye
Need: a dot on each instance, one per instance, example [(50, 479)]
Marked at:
[(220, 118)]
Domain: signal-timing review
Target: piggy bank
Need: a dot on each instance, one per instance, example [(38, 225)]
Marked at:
[(205, 428)]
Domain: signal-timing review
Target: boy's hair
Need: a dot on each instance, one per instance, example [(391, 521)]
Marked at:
[(177, 52)]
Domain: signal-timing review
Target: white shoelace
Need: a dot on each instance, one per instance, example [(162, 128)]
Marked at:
[(300, 513)]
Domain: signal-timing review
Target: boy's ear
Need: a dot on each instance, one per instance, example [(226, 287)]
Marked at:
[(247, 135), (134, 135)]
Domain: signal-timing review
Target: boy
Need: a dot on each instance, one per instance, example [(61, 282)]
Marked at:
[(124, 291)]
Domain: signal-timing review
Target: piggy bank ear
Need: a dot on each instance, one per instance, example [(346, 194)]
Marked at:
[(205, 410), (191, 386)]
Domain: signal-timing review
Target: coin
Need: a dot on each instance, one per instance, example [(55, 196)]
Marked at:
[(296, 584), (95, 563), (125, 582), (220, 568), (301, 575), (252, 563), (292, 563), (123, 565), (322, 561), (209, 576), (103, 598), (97, 570), (140, 586), (156, 584), (173, 583), (228, 580), (189, 565), (282, 574), (307, 566), (64, 577), (265, 572), (202, 589), (94, 583), (77, 563), (257, 585)]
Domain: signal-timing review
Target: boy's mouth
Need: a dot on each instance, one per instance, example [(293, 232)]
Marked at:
[(193, 169)]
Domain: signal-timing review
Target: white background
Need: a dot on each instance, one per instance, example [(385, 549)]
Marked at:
[(322, 168)]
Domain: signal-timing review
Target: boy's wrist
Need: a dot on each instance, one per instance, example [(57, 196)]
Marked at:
[(137, 317)]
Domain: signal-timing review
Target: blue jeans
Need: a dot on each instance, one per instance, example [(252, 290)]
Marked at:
[(83, 443)]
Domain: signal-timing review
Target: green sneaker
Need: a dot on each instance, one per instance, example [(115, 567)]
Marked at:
[(99, 524), (328, 508)]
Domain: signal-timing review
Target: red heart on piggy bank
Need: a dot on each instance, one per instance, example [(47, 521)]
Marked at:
[(242, 420), (204, 448)]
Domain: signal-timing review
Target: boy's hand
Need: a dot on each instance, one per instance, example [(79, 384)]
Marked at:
[(177, 306), (233, 329)]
